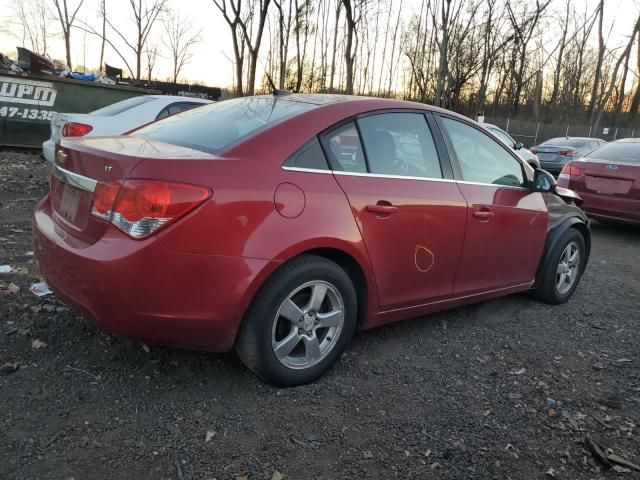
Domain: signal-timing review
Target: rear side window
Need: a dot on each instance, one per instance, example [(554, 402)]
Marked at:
[(345, 150), (481, 158), (309, 156), (617, 152), (123, 106), (400, 144), (212, 128)]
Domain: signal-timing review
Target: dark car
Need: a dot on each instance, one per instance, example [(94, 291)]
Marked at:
[(279, 224), (553, 154), (608, 179)]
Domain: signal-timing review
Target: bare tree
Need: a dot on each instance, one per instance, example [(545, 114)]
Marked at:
[(231, 12), (103, 15), (151, 54), (179, 40), (66, 17), (601, 49), (145, 13), (31, 19)]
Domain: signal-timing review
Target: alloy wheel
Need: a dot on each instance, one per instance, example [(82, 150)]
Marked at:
[(307, 325), (568, 268)]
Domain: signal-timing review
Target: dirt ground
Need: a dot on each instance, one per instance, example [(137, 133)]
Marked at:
[(506, 389)]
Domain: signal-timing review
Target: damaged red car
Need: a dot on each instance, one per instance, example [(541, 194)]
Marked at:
[(278, 225)]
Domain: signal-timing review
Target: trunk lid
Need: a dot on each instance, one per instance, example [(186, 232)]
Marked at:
[(84, 163), (607, 186), (551, 154)]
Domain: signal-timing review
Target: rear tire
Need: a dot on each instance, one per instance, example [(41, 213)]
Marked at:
[(563, 268), (299, 323)]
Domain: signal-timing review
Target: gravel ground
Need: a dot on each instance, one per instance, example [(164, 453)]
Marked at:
[(504, 389)]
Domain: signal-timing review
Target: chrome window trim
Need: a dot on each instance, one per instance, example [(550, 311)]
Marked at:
[(74, 179), (399, 177), (491, 185), (308, 170)]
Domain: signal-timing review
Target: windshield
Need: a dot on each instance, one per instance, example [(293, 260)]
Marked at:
[(119, 107), (618, 152), (213, 128), (503, 136)]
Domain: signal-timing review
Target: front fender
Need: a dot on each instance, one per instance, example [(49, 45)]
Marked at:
[(581, 222)]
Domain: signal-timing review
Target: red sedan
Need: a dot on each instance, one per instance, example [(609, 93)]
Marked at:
[(608, 179), (279, 224)]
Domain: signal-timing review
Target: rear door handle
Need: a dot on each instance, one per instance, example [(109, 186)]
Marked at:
[(382, 208), (483, 215)]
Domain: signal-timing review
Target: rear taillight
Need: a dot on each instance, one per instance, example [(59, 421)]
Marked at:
[(568, 171), (569, 153), (74, 129), (141, 207)]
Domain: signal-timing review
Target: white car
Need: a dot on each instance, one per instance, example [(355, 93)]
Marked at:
[(116, 119), (528, 156)]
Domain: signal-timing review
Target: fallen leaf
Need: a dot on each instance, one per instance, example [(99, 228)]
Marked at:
[(242, 477), (427, 453), (367, 454), (146, 348), (9, 368), (38, 344), (520, 371), (276, 475), (13, 288), (210, 434), (551, 472)]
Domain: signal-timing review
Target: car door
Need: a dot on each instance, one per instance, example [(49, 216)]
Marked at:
[(409, 211), (506, 222)]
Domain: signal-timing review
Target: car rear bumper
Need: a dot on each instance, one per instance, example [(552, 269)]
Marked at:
[(608, 207), (49, 150), (144, 290)]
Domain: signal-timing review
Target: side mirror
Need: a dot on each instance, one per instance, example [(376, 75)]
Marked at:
[(543, 181), (518, 145)]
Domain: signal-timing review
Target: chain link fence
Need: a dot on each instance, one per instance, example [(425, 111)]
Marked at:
[(534, 133)]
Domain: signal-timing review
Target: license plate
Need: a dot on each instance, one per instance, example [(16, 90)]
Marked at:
[(608, 186), (548, 157), (68, 206)]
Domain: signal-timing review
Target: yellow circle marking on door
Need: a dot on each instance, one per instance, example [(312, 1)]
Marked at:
[(423, 258)]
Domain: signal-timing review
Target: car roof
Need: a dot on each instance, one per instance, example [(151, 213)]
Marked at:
[(628, 140), (180, 98), (586, 139), (364, 103)]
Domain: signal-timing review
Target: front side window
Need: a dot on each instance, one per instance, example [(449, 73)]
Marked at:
[(345, 149), (399, 144), (481, 158)]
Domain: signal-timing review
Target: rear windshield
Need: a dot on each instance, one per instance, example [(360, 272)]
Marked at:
[(213, 128), (123, 106), (618, 152), (568, 142)]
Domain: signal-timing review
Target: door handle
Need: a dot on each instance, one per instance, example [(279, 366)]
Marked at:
[(382, 208), (483, 215)]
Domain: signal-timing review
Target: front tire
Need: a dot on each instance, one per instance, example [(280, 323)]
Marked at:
[(563, 268), (299, 323)]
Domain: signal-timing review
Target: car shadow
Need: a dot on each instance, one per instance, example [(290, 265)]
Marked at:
[(626, 230)]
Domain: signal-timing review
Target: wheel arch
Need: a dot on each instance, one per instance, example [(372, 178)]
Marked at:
[(553, 236), (354, 262)]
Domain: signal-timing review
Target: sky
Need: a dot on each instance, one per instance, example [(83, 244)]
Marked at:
[(211, 63)]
